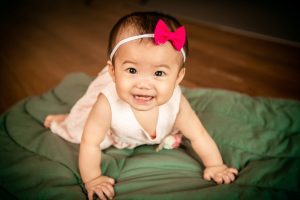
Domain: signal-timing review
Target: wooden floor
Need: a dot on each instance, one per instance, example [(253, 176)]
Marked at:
[(43, 42)]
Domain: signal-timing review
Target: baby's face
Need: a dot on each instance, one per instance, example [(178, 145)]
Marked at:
[(145, 74)]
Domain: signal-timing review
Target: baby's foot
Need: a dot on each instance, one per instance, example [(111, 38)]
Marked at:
[(57, 118)]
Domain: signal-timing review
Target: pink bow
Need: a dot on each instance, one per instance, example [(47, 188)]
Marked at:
[(162, 34)]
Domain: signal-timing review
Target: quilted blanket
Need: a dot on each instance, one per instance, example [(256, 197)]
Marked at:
[(259, 136)]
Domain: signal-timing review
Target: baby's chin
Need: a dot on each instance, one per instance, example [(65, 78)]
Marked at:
[(141, 106)]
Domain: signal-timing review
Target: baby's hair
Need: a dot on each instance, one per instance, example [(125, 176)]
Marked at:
[(142, 23)]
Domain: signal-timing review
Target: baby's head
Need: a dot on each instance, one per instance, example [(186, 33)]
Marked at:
[(146, 68), (141, 23)]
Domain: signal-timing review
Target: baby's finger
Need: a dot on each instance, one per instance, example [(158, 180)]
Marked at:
[(108, 180), (108, 190), (90, 195), (99, 192), (207, 176), (233, 170), (111, 189), (218, 179), (47, 122), (231, 176), (226, 179)]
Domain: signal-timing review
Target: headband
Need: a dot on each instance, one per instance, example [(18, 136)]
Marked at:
[(161, 35)]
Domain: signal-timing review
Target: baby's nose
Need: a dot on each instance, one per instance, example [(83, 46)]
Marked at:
[(144, 82)]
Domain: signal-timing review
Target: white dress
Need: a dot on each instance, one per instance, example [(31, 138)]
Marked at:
[(125, 131)]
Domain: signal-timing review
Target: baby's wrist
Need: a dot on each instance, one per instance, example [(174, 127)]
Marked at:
[(91, 180), (216, 165)]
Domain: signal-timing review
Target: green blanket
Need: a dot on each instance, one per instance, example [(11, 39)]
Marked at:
[(259, 136)]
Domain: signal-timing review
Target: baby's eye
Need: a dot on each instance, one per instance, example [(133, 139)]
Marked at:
[(131, 70), (159, 73)]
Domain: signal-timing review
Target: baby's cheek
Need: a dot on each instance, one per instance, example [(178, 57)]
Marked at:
[(165, 93)]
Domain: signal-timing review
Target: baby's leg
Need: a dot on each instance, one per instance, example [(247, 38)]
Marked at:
[(50, 118)]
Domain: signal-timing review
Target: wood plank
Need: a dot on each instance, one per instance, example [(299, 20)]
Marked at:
[(43, 41)]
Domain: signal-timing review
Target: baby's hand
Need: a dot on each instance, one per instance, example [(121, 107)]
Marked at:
[(220, 174), (102, 186)]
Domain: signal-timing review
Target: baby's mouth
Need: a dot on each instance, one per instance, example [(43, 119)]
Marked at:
[(143, 97)]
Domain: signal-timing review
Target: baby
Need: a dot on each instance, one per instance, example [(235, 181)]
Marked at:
[(136, 100)]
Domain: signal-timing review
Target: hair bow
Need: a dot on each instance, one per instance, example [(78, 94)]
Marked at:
[(162, 34)]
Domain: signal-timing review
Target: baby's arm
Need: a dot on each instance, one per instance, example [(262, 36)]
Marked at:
[(189, 124), (97, 125)]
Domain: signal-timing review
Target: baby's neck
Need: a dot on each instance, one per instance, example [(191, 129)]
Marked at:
[(147, 119)]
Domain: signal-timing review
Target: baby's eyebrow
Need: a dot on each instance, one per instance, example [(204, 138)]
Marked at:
[(163, 66), (129, 62), (155, 66)]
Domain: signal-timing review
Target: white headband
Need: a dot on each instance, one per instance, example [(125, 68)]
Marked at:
[(135, 38)]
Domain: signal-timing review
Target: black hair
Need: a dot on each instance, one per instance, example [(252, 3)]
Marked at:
[(143, 23)]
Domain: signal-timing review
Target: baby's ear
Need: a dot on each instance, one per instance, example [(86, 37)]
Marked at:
[(180, 75), (111, 70)]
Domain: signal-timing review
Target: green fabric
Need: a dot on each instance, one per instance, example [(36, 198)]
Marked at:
[(259, 136)]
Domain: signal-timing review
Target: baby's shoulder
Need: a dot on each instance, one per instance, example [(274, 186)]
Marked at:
[(102, 104)]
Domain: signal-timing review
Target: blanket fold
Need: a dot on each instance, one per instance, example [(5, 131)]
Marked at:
[(259, 136)]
